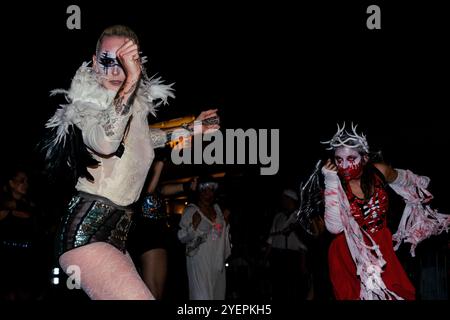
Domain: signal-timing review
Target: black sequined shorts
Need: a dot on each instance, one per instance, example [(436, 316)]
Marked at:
[(91, 218)]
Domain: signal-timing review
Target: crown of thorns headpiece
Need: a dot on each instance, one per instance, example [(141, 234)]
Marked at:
[(344, 138)]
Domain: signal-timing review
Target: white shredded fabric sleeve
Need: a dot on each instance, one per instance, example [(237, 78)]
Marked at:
[(333, 220), (419, 221)]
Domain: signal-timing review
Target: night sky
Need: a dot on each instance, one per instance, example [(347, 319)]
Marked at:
[(297, 68)]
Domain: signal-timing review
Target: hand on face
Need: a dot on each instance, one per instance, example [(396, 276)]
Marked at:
[(128, 56), (117, 61), (329, 165)]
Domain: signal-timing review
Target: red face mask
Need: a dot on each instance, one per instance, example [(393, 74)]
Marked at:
[(349, 163)]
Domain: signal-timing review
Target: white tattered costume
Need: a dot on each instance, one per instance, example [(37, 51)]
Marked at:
[(418, 221)]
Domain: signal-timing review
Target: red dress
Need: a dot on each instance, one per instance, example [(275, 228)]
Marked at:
[(371, 216)]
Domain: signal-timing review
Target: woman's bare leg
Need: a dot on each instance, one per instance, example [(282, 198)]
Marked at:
[(154, 270), (106, 273)]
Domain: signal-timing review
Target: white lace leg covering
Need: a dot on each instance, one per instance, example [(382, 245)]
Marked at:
[(106, 273)]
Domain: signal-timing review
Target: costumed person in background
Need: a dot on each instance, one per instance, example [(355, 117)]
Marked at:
[(102, 136), (309, 220), (287, 253), (205, 230), (148, 238), (362, 261), (22, 270)]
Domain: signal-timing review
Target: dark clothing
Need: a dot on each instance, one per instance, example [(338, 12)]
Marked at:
[(21, 268), (290, 280), (146, 235), (150, 229)]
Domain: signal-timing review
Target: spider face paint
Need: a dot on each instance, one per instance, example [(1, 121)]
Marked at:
[(349, 163), (109, 64), (111, 74)]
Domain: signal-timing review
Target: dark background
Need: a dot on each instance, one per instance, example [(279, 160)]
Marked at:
[(298, 67)]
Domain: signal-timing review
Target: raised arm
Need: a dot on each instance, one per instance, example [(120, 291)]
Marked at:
[(207, 121), (105, 138), (389, 173), (156, 174), (174, 188), (333, 221)]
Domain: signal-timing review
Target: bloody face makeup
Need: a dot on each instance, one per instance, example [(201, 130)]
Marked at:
[(349, 162)]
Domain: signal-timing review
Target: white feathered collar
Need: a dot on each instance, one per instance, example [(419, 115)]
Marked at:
[(87, 98)]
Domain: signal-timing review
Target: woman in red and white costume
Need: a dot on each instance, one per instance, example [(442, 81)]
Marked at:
[(362, 261)]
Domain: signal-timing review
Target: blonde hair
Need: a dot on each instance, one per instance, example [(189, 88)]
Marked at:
[(116, 31)]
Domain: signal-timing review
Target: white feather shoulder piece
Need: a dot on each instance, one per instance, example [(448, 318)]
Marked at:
[(87, 99), (152, 92)]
